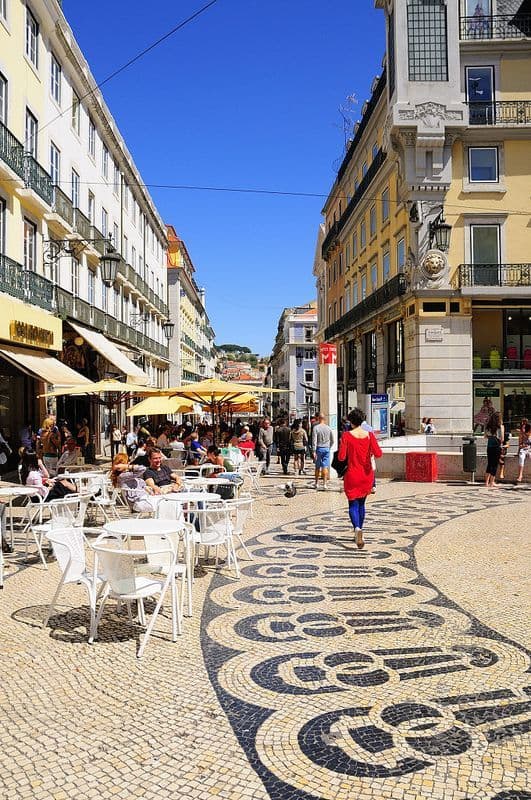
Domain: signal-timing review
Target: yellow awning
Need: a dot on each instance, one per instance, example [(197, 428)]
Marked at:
[(40, 364), (112, 353)]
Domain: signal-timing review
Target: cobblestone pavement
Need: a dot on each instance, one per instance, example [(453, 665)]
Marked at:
[(398, 671)]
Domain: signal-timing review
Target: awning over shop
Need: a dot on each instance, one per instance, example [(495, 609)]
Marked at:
[(42, 365), (112, 353)]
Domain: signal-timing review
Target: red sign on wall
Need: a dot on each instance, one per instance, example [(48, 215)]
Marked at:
[(327, 353)]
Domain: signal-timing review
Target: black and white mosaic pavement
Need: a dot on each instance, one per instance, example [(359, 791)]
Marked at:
[(347, 674)]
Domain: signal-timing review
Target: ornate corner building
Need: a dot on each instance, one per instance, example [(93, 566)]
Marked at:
[(423, 274)]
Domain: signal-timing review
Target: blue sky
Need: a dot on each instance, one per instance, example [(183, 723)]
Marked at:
[(247, 95)]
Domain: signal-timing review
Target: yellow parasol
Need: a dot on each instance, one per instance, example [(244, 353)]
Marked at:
[(160, 405), (102, 387)]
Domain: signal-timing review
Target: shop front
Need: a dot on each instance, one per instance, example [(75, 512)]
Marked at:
[(501, 363), (29, 342)]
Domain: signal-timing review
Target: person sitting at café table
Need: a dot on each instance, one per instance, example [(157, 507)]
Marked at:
[(69, 456), (247, 445), (159, 477), (34, 474), (196, 448)]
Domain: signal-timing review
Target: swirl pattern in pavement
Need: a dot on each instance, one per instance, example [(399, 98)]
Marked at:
[(345, 673)]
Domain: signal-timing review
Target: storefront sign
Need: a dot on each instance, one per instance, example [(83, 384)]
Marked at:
[(486, 392), (434, 334), (327, 353), (30, 334)]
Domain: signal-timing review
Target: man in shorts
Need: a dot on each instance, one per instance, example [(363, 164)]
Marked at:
[(322, 443)]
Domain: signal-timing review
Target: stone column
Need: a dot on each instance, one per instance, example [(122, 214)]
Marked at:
[(328, 385)]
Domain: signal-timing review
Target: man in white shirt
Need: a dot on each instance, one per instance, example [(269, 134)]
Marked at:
[(69, 457)]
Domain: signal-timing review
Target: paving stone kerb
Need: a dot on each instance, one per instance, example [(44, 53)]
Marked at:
[(217, 715)]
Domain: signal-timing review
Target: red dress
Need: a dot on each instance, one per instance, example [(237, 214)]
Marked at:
[(359, 476)]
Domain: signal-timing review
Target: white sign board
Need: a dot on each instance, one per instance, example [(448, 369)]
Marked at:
[(434, 334)]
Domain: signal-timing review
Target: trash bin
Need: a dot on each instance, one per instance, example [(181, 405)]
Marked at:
[(470, 454), (421, 467)]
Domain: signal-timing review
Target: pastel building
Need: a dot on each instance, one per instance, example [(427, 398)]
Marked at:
[(293, 363), (69, 194), (423, 276)]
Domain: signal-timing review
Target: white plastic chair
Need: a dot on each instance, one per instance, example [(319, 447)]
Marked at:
[(169, 508), (102, 498), (215, 530), (253, 471), (69, 549), (240, 510), (123, 583)]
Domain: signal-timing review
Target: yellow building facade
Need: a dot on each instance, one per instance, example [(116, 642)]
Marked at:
[(425, 279)]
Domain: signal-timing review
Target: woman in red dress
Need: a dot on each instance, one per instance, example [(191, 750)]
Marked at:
[(356, 447)]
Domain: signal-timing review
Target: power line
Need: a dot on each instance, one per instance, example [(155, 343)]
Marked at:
[(136, 58)]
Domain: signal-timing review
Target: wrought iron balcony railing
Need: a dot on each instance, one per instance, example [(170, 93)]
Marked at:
[(11, 151), (25, 284), (394, 288), (498, 26), (365, 182), (500, 112), (38, 179), (492, 275), (82, 224), (62, 205), (99, 242)]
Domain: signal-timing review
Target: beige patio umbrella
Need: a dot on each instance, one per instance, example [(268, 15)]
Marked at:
[(101, 387), (160, 405)]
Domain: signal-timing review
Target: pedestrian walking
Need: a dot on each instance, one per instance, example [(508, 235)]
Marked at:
[(494, 433), (283, 442), (356, 448), (265, 443), (524, 450), (322, 442), (299, 443), (116, 439)]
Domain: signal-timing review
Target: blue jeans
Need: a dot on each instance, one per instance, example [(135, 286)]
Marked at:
[(356, 511)]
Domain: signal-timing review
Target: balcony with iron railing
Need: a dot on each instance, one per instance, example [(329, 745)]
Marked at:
[(35, 289), (37, 179), (11, 151), (62, 205), (333, 234), (497, 26), (394, 288), (500, 112), (82, 224), (502, 275)]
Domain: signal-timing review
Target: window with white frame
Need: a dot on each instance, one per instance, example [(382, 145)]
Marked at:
[(133, 257), (354, 245), (31, 133), (91, 293), (30, 245), (115, 235), (347, 297), (117, 304), (363, 286), (386, 265), (347, 256), (55, 164), (483, 164), (485, 243), (91, 138), (385, 205), (75, 183), (74, 267), (340, 306), (32, 38), (126, 250), (374, 276), (401, 255), (372, 221), (363, 234), (355, 293), (104, 162), (76, 113), (104, 296), (126, 196), (104, 222), (91, 208), (116, 179), (3, 99), (56, 75)]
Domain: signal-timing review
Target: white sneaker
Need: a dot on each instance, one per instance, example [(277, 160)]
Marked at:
[(325, 487)]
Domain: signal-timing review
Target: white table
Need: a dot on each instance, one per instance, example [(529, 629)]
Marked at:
[(10, 493), (142, 527)]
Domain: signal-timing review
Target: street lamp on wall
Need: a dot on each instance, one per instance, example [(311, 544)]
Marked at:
[(439, 232), (109, 265), (167, 328)]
